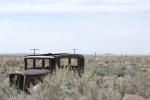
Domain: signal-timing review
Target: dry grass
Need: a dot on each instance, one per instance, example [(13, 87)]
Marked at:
[(105, 78)]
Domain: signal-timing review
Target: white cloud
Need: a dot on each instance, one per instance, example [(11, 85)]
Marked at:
[(74, 6)]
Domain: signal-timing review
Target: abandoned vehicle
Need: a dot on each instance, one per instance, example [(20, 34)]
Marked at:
[(38, 66)]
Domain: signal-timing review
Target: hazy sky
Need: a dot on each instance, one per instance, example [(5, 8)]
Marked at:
[(114, 26)]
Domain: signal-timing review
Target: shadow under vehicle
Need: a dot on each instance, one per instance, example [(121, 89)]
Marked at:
[(38, 66)]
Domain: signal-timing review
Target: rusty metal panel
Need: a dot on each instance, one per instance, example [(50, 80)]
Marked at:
[(33, 72)]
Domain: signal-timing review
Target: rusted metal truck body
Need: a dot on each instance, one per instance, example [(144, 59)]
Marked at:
[(39, 66)]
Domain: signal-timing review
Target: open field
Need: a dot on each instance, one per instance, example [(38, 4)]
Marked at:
[(105, 78)]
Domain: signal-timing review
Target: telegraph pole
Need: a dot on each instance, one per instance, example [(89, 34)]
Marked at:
[(74, 50), (34, 50), (107, 54), (95, 54)]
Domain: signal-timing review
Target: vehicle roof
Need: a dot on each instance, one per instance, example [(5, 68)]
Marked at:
[(33, 72), (51, 56), (40, 57)]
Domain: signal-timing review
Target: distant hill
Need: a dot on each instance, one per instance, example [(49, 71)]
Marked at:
[(15, 54)]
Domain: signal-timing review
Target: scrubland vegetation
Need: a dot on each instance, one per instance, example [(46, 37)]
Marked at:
[(105, 78)]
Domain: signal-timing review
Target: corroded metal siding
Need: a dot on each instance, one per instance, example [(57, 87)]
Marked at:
[(33, 72)]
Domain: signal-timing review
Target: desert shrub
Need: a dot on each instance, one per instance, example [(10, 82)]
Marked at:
[(6, 91), (105, 78)]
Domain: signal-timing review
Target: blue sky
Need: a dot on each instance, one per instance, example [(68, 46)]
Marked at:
[(114, 26)]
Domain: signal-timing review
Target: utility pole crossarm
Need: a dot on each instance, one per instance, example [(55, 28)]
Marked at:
[(34, 50), (74, 50)]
